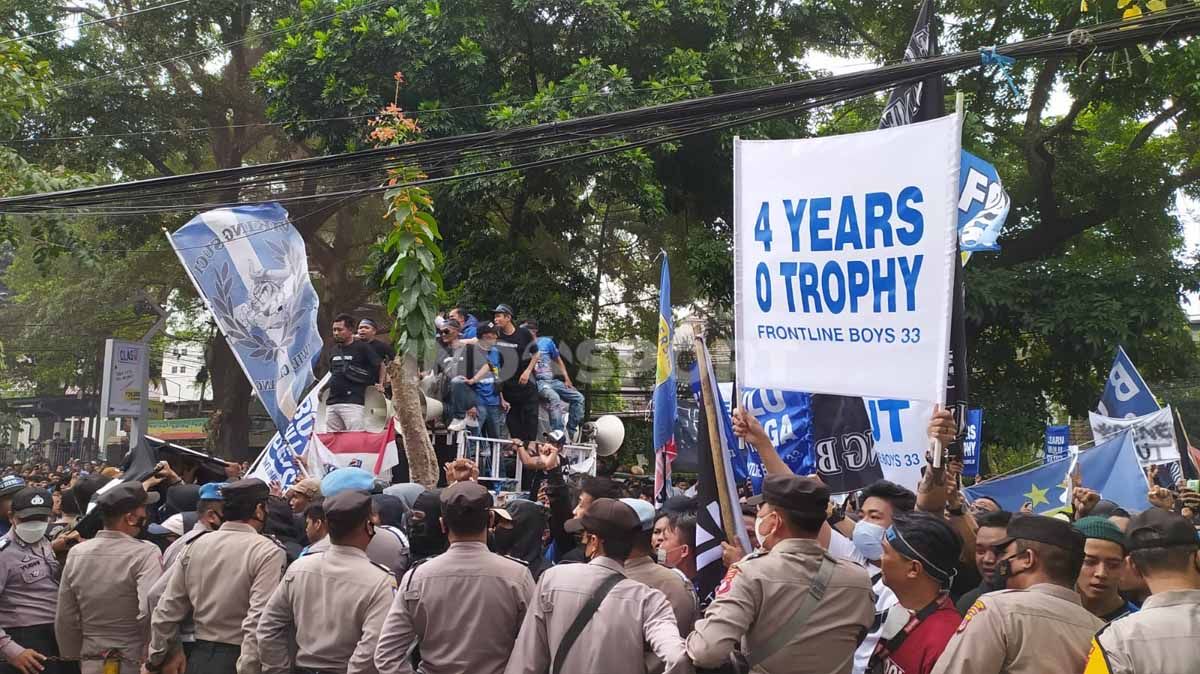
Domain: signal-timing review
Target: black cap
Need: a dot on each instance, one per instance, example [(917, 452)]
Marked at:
[(1158, 528), (1046, 530), (125, 498), (465, 499), (249, 490), (350, 506), (503, 309), (607, 518), (485, 329), (31, 501), (802, 494), (183, 497), (11, 484)]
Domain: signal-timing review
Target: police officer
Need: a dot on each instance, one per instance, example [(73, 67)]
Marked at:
[(629, 614), (1164, 636), (762, 596), (224, 580), (28, 587), (330, 607), (1036, 625), (105, 583), (390, 546), (209, 513), (462, 608)]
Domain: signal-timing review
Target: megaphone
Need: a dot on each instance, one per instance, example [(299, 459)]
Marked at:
[(610, 433), (433, 408)]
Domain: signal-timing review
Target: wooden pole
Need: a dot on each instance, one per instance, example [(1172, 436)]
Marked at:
[(714, 441)]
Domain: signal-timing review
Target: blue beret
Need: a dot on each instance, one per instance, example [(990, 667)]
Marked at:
[(346, 478), (212, 491)]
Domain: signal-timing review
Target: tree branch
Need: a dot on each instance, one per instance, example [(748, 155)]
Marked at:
[(1143, 135), (70, 9)]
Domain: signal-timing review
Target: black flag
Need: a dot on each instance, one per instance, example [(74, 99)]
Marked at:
[(918, 102)]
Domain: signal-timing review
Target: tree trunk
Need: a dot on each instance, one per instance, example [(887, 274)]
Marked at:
[(406, 397), (230, 421)]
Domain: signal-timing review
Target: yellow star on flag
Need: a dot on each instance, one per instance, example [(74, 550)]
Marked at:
[(1036, 496)]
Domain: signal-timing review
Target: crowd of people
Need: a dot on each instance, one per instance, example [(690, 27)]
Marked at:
[(485, 374), (351, 574)]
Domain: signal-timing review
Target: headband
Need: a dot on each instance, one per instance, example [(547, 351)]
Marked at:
[(897, 541)]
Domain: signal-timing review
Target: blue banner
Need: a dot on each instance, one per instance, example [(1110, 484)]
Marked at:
[(982, 205), (1110, 468), (786, 416), (664, 403), (973, 442), (280, 459), (249, 265), (1056, 443), (1125, 392)]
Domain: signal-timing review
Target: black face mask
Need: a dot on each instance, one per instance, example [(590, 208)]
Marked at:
[(1004, 571)]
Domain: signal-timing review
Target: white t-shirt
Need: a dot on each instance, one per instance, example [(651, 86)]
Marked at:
[(841, 547)]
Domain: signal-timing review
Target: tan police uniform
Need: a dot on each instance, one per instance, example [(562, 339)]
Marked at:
[(388, 548), (1164, 636), (105, 582), (678, 591), (630, 617), (462, 608), (761, 593), (29, 576), (1036, 631), (330, 607), (224, 579)]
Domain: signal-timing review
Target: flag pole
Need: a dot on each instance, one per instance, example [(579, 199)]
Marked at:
[(714, 440)]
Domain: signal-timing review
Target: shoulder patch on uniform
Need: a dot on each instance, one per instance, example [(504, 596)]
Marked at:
[(518, 560), (976, 608), (382, 568), (4, 542), (727, 582), (412, 571), (276, 541)]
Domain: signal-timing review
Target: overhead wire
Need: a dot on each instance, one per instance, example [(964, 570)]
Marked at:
[(85, 24), (518, 148)]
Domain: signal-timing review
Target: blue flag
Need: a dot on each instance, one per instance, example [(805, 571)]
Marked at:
[(973, 442), (982, 205), (1056, 443), (1110, 468), (786, 416), (1125, 393), (249, 265), (664, 402)]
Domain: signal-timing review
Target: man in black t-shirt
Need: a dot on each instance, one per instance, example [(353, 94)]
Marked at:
[(517, 348), (368, 333), (353, 365)]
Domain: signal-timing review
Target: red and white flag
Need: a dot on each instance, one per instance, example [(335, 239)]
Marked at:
[(373, 452)]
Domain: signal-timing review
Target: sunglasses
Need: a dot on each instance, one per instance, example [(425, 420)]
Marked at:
[(444, 332)]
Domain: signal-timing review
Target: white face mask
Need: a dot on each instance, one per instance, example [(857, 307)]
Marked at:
[(30, 532), (868, 538), (661, 556), (758, 532)]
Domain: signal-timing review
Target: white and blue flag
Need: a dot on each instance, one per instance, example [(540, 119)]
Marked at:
[(250, 267), (982, 205), (282, 459)]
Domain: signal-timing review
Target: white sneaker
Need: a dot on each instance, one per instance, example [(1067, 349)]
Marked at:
[(457, 425)]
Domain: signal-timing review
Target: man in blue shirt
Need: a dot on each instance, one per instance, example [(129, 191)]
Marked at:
[(562, 395), (484, 361)]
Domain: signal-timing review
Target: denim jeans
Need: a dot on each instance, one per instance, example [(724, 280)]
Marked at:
[(557, 394), (462, 398)]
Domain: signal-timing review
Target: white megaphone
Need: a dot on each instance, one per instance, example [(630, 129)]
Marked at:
[(433, 408), (610, 433)]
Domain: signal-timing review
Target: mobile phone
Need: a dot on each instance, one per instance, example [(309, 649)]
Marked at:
[(1193, 485)]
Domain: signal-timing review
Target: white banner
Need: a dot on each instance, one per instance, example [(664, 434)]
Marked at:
[(901, 429), (280, 459), (122, 384), (1153, 434), (844, 254)]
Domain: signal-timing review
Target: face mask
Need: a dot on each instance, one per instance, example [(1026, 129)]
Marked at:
[(868, 538), (1004, 571), (762, 537), (664, 556), (30, 532)]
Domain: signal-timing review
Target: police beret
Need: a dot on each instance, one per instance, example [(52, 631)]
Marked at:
[(1158, 528), (212, 491), (249, 490), (31, 501), (1044, 530), (465, 498), (348, 506), (347, 478), (11, 484), (608, 519), (792, 492), (124, 498)]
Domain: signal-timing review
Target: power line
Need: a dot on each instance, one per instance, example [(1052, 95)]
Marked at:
[(428, 111), (22, 38)]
